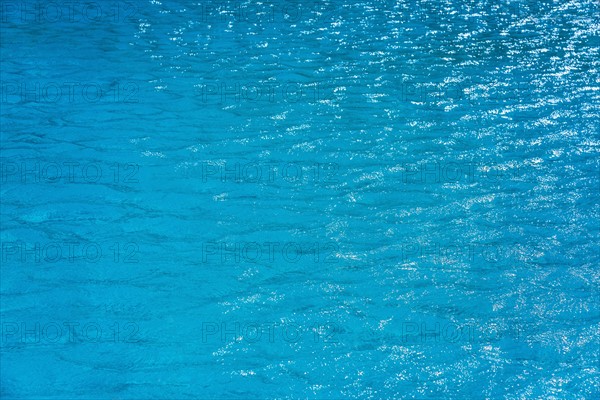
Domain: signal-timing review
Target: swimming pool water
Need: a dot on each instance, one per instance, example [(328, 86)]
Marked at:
[(334, 199)]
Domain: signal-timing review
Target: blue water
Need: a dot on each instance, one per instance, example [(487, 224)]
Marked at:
[(284, 200)]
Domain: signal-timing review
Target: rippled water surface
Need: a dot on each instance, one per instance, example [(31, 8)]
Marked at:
[(369, 199)]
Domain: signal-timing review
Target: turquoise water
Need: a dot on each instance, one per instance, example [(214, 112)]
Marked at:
[(240, 200)]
